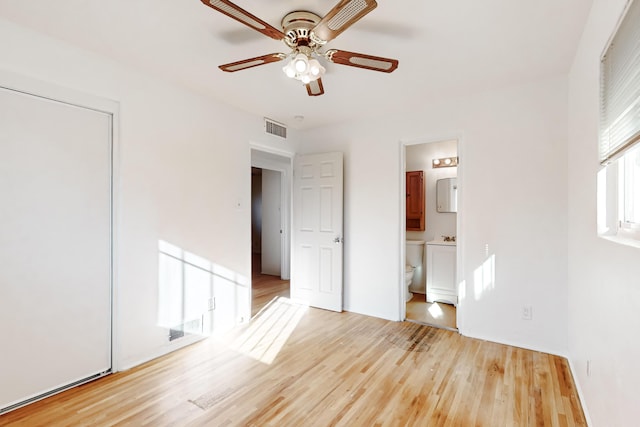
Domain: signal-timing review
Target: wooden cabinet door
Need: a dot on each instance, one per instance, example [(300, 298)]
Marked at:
[(415, 201)]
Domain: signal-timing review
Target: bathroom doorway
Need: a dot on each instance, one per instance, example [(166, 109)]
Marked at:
[(429, 245)]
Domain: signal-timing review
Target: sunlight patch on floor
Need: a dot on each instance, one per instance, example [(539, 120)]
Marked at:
[(435, 311), (269, 330)]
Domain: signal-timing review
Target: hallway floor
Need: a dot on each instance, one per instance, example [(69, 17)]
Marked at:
[(264, 287)]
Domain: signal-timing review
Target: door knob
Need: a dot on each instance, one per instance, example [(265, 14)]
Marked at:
[(337, 240)]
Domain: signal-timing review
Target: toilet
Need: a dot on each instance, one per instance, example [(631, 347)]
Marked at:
[(408, 278), (413, 272)]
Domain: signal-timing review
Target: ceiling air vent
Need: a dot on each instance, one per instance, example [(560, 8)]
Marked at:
[(275, 128)]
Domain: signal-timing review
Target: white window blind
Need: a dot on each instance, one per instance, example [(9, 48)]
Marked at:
[(620, 88)]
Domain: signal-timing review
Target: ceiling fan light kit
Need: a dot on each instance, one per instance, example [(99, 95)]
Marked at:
[(302, 66), (305, 33)]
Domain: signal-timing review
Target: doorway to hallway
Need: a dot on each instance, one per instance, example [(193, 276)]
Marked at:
[(270, 227), (264, 287)]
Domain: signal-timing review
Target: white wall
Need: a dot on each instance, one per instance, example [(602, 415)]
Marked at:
[(256, 213), (604, 277), (271, 223), (513, 207), (183, 176)]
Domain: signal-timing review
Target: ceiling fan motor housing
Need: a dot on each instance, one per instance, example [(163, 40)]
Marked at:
[(297, 28)]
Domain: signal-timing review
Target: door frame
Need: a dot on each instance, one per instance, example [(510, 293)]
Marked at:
[(280, 161), (402, 234)]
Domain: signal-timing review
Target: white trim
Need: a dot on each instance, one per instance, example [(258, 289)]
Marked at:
[(610, 206), (622, 240), (510, 343), (583, 401), (115, 234), (286, 191), (186, 341), (43, 89), (47, 90), (627, 6), (268, 149), (402, 236), (460, 235), (403, 143)]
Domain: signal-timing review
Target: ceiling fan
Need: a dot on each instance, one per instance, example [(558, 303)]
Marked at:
[(305, 33)]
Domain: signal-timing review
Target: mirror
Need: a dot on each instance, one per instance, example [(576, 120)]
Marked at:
[(447, 195)]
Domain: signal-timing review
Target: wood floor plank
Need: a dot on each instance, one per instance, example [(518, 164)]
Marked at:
[(333, 369)]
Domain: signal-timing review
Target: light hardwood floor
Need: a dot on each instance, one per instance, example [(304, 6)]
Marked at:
[(433, 314), (298, 366), (265, 288)]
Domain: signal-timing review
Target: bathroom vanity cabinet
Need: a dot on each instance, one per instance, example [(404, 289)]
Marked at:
[(441, 272), (415, 201)]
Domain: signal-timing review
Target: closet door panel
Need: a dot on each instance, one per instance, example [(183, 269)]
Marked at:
[(55, 245)]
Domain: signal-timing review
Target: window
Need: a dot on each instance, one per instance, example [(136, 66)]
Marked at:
[(619, 179), (630, 182)]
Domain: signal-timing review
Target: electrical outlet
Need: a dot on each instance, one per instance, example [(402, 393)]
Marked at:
[(588, 368), (527, 312), (212, 304)]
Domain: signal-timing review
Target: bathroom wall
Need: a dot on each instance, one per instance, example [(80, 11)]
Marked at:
[(437, 224), (418, 157)]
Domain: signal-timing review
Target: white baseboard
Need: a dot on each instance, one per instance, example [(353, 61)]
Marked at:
[(184, 342), (583, 403)]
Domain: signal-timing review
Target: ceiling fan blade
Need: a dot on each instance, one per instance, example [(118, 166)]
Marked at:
[(315, 88), (252, 62), (341, 17), (234, 11), (360, 60)]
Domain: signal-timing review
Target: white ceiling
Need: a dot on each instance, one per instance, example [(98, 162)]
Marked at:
[(445, 48)]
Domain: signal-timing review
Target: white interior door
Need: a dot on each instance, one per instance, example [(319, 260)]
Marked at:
[(55, 245), (318, 239), (271, 250)]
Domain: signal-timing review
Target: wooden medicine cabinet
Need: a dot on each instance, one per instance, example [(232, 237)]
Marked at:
[(415, 201)]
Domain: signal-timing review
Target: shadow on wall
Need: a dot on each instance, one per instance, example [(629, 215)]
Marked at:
[(197, 296)]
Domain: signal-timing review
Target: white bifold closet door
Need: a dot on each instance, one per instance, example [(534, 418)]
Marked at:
[(55, 245)]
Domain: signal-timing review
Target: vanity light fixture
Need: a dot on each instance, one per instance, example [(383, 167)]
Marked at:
[(445, 162)]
